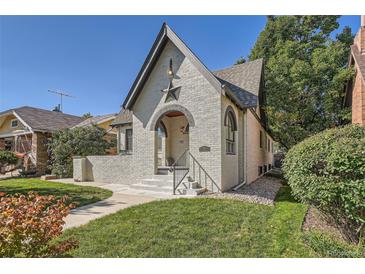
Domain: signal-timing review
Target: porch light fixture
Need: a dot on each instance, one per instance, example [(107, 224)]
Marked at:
[(170, 72), (171, 91)]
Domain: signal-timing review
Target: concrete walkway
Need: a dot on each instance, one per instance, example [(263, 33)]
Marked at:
[(119, 200)]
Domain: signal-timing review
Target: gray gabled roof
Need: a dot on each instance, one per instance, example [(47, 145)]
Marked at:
[(44, 120), (243, 80), (125, 116), (95, 120), (242, 91)]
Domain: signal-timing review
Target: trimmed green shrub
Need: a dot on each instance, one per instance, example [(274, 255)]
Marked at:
[(327, 171), (80, 141), (7, 158)]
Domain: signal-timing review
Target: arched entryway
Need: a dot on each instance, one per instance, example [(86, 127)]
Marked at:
[(172, 125), (172, 130)]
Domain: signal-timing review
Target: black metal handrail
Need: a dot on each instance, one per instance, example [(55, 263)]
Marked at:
[(205, 174), (179, 172)]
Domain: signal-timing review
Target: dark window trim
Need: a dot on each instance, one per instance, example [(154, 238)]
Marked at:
[(231, 124), (11, 123), (129, 144), (261, 138)]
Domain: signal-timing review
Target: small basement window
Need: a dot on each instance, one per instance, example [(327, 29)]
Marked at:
[(14, 123), (260, 170)]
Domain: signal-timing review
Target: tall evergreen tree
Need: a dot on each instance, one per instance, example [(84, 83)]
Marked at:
[(305, 72)]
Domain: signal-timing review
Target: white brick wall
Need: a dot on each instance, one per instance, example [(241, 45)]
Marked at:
[(256, 156), (207, 107), (196, 95), (104, 169), (231, 163)]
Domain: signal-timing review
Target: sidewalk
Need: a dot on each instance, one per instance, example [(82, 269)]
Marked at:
[(83, 215)]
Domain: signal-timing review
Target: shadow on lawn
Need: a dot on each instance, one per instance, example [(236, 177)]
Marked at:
[(284, 195)]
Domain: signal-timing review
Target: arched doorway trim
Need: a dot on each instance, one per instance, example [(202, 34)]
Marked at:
[(168, 108)]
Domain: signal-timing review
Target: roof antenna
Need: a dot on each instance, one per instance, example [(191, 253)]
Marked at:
[(61, 94)]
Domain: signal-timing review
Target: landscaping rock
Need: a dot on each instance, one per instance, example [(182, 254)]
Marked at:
[(261, 191)]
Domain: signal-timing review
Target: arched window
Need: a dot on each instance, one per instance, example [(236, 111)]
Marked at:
[(161, 133), (231, 127)]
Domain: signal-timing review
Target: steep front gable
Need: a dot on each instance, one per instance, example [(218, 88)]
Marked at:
[(225, 81), (164, 36)]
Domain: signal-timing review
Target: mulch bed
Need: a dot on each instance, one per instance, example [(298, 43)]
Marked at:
[(315, 220)]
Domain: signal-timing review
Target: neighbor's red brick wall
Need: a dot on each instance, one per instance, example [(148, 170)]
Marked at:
[(358, 93), (358, 101), (39, 150), (359, 40)]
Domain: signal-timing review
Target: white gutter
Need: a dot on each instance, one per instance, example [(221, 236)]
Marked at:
[(12, 134)]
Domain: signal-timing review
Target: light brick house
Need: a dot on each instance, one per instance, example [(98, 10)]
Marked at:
[(183, 126), (25, 131), (355, 89)]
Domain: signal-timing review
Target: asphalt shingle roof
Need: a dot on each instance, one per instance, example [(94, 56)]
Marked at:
[(96, 120), (45, 120), (244, 80), (125, 116)]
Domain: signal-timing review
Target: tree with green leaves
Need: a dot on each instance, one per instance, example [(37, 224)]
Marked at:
[(86, 115), (80, 141), (305, 74)]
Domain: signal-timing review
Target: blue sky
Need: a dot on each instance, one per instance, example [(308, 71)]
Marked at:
[(96, 58)]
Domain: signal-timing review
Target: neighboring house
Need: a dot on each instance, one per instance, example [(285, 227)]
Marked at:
[(355, 89), (25, 130), (182, 124), (104, 122)]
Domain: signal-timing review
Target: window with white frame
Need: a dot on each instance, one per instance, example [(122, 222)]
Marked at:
[(230, 123), (14, 123)]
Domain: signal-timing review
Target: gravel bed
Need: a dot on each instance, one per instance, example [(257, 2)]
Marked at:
[(261, 191)]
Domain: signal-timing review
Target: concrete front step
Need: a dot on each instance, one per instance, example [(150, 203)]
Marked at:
[(160, 177), (169, 182), (152, 187), (182, 190)]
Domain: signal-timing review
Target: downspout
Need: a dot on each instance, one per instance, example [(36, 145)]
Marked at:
[(244, 181), (245, 145)]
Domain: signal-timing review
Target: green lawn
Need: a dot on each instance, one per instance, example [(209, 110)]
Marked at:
[(81, 195), (201, 227)]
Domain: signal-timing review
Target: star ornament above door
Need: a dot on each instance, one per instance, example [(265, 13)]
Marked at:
[(171, 91)]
